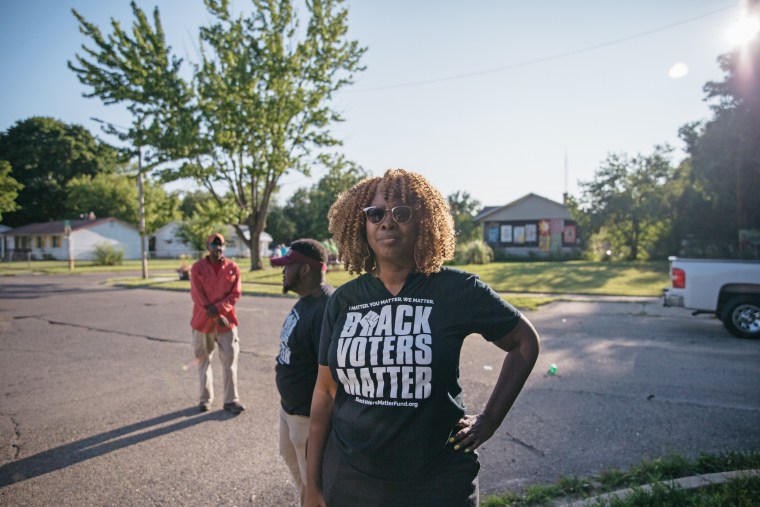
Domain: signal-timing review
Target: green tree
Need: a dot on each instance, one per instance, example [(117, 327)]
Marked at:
[(259, 105), (263, 90), (629, 201), (299, 212), (207, 217), (192, 201), (680, 190), (307, 208), (473, 252), (106, 195), (44, 154), (9, 189), (115, 195), (161, 207), (463, 209), (581, 217), (279, 226), (724, 171), (140, 73)]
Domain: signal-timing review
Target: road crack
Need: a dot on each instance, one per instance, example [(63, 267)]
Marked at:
[(17, 437), (534, 450), (125, 333)]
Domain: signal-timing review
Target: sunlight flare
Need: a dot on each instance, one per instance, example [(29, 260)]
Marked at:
[(743, 31), (678, 70)]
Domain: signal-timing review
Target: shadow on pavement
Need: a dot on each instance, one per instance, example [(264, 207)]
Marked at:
[(75, 452)]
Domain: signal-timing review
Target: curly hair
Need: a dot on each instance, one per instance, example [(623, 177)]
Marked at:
[(311, 248), (435, 242)]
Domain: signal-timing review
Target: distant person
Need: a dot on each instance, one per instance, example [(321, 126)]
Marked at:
[(215, 287), (388, 424), (304, 267)]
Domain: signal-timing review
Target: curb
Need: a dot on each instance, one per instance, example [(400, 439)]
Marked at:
[(686, 483)]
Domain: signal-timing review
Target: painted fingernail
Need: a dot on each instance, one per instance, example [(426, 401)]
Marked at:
[(456, 447), (466, 450), (451, 440)]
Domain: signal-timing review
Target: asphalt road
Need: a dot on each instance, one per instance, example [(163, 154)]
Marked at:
[(98, 397)]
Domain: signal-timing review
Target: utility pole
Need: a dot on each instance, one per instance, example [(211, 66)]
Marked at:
[(112, 129), (69, 245), (565, 194), (141, 214)]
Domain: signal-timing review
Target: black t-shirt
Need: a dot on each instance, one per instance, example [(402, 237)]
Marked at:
[(296, 369), (396, 362)]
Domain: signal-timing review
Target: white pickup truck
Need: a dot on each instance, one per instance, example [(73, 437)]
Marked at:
[(730, 289)]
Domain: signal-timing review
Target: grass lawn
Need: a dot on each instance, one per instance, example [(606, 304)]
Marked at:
[(576, 277), (573, 277), (658, 473), (82, 267), (539, 278)]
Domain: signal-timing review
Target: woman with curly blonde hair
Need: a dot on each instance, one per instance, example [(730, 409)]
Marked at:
[(435, 242), (388, 423)]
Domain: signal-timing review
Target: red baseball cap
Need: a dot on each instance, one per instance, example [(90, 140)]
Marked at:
[(292, 257), (214, 236)]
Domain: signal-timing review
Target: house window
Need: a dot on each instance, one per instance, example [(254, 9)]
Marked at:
[(570, 235), (530, 233), (40, 241), (506, 234), (55, 241), (493, 234), (520, 233)]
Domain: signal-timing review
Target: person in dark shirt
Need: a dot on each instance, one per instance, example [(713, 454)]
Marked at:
[(388, 420), (304, 267)]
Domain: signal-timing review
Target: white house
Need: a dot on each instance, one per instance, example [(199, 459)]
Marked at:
[(165, 243), (530, 226), (46, 240)]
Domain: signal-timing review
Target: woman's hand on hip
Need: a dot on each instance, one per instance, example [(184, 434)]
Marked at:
[(474, 431)]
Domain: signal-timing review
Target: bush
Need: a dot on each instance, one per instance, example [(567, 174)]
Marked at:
[(474, 252), (108, 255)]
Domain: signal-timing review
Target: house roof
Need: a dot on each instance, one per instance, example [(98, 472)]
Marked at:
[(57, 226), (487, 210), (263, 236), (230, 230), (491, 210)]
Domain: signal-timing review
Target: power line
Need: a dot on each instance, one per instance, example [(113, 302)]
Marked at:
[(546, 58)]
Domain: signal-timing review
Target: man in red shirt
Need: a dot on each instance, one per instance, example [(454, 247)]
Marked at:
[(215, 287)]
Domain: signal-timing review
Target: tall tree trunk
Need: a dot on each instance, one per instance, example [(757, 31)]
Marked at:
[(635, 239), (256, 223)]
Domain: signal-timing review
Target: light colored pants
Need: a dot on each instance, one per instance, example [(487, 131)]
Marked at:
[(294, 432), (229, 349)]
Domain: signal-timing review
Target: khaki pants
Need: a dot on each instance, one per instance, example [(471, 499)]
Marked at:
[(294, 432), (229, 348)]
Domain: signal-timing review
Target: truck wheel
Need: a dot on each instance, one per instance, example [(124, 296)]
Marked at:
[(741, 316)]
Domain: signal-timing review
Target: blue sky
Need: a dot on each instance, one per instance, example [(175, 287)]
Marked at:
[(494, 98)]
